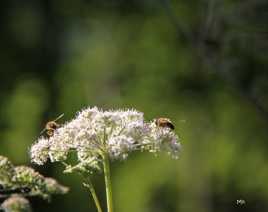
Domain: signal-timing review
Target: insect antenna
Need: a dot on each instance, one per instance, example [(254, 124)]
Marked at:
[(43, 130), (59, 117)]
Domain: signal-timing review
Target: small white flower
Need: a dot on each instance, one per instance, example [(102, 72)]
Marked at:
[(120, 146), (39, 151)]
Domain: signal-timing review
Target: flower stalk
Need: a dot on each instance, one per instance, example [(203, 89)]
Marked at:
[(108, 183), (91, 188)]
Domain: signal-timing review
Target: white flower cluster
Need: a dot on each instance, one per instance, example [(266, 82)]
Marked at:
[(16, 203), (26, 181), (95, 132)]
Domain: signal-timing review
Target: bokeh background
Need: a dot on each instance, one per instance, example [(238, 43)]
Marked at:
[(201, 63)]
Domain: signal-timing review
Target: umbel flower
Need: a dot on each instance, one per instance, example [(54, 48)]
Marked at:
[(95, 132), (97, 136), (16, 203), (25, 181)]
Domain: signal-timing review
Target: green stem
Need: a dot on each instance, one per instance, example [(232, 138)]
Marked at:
[(90, 186), (108, 184)]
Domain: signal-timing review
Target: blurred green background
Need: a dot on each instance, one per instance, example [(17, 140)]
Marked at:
[(201, 63)]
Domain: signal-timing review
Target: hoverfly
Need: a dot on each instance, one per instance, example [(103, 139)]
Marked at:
[(164, 122), (51, 126)]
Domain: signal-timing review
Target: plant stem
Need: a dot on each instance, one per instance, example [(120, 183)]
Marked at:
[(90, 186), (108, 184)]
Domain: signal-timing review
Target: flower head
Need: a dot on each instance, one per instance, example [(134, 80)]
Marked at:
[(16, 203), (94, 132), (6, 172), (40, 151), (36, 184), (26, 181)]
